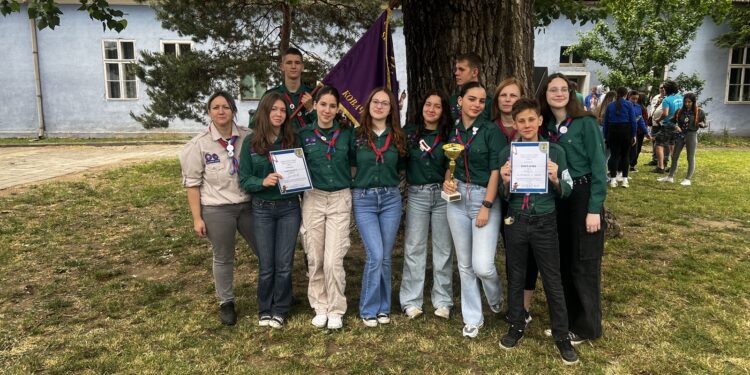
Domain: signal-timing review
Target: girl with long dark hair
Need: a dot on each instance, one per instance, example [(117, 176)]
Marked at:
[(425, 171), (275, 215)]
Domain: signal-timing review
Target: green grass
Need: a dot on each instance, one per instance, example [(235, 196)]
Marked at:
[(148, 138), (104, 275)]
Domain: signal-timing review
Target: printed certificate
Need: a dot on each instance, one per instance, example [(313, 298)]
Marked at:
[(528, 161), (292, 167)]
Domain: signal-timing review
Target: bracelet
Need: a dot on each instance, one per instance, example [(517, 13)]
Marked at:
[(487, 204)]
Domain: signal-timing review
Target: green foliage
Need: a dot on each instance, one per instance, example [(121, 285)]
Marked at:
[(46, 13), (576, 11), (693, 83), (644, 36), (739, 29), (244, 39)]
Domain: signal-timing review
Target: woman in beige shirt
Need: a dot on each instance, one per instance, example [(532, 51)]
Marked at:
[(220, 207)]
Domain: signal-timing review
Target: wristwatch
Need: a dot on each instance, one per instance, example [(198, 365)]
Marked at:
[(487, 204)]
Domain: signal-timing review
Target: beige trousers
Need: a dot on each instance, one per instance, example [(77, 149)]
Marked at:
[(326, 217)]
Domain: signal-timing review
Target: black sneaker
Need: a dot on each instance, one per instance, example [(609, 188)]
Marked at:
[(567, 352), (632, 169), (659, 170), (652, 163), (511, 339), (227, 314), (575, 339)]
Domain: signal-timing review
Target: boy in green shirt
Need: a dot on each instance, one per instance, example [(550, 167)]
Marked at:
[(532, 224), (294, 92)]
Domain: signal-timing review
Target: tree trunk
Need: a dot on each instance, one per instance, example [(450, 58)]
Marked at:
[(286, 28), (501, 32)]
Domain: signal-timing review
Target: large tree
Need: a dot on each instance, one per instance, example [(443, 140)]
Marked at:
[(246, 36), (501, 32), (642, 37), (739, 27)]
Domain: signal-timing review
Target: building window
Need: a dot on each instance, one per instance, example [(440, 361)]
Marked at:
[(251, 88), (176, 47), (120, 81), (569, 59), (738, 80)]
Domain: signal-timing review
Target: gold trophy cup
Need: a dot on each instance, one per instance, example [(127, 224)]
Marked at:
[(452, 151)]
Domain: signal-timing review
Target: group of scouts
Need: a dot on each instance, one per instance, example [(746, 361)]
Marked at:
[(232, 187)]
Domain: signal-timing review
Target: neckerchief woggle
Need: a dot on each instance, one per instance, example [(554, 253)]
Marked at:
[(379, 158), (331, 144), (429, 151), (300, 119), (554, 138), (234, 164)]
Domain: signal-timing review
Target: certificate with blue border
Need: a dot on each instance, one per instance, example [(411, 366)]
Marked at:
[(291, 165), (528, 163)]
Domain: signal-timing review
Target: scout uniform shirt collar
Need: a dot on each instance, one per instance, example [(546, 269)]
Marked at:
[(215, 135)]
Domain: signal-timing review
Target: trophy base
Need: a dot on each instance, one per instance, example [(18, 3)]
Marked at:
[(456, 196)]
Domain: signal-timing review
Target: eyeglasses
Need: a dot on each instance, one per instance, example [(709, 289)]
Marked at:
[(378, 103), (556, 90)]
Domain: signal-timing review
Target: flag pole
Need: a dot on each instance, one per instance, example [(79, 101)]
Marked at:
[(299, 108)]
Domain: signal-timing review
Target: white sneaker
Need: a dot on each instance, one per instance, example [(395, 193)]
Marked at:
[(619, 177), (443, 312), (686, 182), (276, 322), (335, 321), (370, 322), (625, 182), (665, 179), (413, 312), (320, 320), (548, 332), (383, 318), (613, 183), (496, 308), (471, 331)]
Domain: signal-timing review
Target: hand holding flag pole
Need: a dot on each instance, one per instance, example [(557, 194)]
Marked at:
[(299, 108)]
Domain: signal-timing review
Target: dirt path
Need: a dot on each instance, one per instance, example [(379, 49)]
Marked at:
[(21, 167)]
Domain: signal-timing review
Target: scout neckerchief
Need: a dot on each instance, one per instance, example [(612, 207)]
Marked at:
[(379, 158), (695, 117), (467, 146), (300, 119), (330, 143), (234, 164), (428, 150), (509, 134), (554, 138)]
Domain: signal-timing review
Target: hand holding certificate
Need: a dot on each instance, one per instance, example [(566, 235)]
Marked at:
[(529, 172), (291, 165)]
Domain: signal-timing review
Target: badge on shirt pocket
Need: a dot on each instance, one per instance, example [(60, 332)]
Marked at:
[(212, 158), (310, 141)]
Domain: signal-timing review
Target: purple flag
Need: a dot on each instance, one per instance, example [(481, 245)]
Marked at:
[(367, 65)]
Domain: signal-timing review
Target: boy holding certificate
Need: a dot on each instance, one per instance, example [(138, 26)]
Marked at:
[(532, 224)]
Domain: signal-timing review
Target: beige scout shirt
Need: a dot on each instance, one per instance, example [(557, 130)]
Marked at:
[(206, 163)]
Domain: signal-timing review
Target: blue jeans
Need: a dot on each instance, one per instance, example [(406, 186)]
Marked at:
[(377, 212), (425, 207), (475, 251), (276, 224)]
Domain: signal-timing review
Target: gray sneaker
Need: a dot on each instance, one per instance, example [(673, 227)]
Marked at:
[(443, 312), (471, 330)]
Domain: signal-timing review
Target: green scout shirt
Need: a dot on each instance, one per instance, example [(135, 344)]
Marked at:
[(369, 173), (303, 115), (327, 175), (485, 115), (483, 152), (254, 168), (584, 149), (544, 203), (422, 168)]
